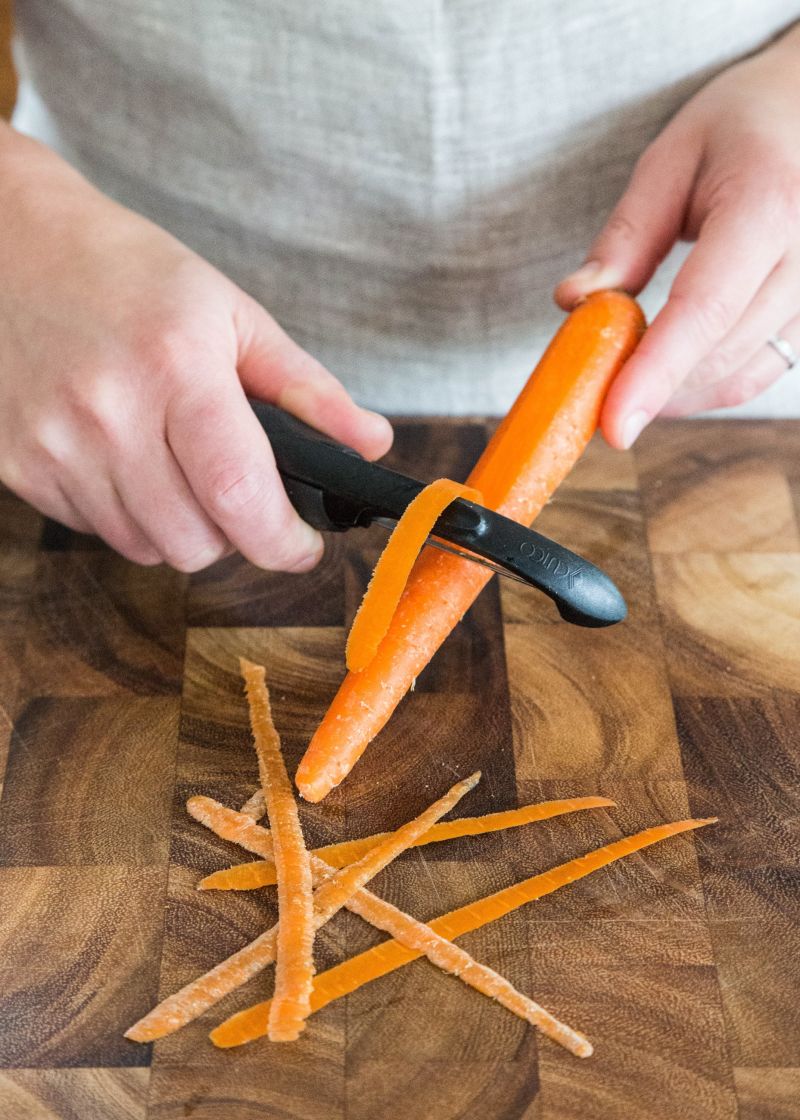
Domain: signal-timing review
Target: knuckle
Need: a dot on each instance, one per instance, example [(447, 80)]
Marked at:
[(194, 559), (126, 539), (722, 360), (620, 226), (724, 191), (710, 316), (737, 391), (50, 437), (96, 399), (233, 490), (284, 544), (167, 350)]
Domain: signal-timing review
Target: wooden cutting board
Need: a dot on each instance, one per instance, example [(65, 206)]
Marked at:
[(120, 699)]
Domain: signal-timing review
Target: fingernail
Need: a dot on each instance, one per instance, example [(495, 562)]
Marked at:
[(594, 275), (632, 428), (380, 423)]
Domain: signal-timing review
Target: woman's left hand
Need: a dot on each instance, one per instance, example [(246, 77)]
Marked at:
[(724, 173)]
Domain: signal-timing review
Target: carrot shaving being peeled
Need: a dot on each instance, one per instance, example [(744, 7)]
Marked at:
[(249, 876), (352, 974), (294, 969), (336, 888), (391, 573), (532, 451)]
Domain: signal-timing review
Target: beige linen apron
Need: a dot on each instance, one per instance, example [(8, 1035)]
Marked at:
[(399, 182)]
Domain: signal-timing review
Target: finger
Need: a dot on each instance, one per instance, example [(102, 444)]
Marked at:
[(274, 368), (644, 224), (158, 497), (733, 255), (751, 379), (48, 497), (67, 514), (772, 306), (228, 463), (101, 507)]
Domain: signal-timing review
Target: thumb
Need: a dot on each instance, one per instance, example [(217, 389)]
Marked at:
[(272, 367), (644, 224)]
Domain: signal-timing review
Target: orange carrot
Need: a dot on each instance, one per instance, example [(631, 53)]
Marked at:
[(385, 588), (386, 957), (294, 968), (249, 876), (533, 449), (196, 997)]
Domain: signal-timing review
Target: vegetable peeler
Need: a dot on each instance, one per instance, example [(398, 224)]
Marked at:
[(334, 489)]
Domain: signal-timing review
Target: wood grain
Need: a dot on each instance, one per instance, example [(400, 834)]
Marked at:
[(767, 1093), (741, 759), (595, 703), (653, 1005), (70, 798), (80, 949), (234, 593), (689, 476), (99, 625), (74, 1094), (8, 82), (120, 698), (731, 622)]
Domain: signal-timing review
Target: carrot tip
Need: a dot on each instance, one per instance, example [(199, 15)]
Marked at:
[(315, 791)]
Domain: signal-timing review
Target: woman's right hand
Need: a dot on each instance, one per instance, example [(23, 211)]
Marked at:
[(125, 362)]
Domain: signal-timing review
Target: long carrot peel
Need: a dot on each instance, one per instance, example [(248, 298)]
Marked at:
[(294, 968), (200, 994), (390, 955), (336, 891), (532, 451), (383, 593), (249, 876), (227, 823)]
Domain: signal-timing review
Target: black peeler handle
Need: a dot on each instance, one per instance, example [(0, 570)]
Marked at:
[(334, 489)]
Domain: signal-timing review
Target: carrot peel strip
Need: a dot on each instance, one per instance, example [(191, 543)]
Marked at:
[(255, 806), (391, 573), (336, 888), (250, 876), (385, 958), (294, 968), (202, 993)]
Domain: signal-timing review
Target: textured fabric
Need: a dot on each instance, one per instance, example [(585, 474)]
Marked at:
[(399, 183)]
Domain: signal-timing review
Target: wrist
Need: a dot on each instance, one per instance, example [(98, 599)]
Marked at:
[(35, 182)]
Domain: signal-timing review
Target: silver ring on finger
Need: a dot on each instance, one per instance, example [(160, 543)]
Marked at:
[(783, 347)]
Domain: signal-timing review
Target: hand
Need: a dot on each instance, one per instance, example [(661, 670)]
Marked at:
[(125, 362), (726, 174)]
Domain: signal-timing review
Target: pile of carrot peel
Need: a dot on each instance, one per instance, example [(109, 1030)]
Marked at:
[(314, 885)]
